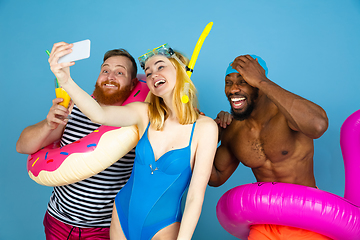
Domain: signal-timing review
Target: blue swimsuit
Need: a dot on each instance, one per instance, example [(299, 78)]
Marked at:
[(151, 199)]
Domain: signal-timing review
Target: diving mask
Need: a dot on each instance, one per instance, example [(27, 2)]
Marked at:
[(164, 50)]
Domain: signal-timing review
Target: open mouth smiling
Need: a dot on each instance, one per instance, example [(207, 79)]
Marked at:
[(237, 102), (159, 83), (111, 84)]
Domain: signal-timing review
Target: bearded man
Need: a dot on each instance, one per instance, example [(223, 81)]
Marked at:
[(83, 210), (270, 130)]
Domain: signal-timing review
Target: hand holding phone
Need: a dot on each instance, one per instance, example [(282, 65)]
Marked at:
[(80, 50)]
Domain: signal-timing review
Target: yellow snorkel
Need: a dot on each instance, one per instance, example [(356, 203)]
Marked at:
[(197, 48), (168, 52), (194, 56)]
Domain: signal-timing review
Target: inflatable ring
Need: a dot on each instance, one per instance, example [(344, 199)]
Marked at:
[(300, 206), (288, 204), (56, 166)]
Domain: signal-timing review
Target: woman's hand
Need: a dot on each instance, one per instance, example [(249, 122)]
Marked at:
[(60, 70)]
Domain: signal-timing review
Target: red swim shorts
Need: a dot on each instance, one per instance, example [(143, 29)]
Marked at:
[(57, 230), (278, 232)]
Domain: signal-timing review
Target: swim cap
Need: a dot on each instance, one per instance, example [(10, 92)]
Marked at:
[(259, 59)]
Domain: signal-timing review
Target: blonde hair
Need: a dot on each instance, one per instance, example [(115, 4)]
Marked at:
[(185, 112)]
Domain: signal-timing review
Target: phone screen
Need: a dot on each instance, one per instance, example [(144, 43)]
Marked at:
[(80, 50)]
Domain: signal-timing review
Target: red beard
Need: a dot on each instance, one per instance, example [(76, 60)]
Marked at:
[(111, 98)]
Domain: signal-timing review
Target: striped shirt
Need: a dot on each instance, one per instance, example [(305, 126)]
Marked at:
[(89, 203)]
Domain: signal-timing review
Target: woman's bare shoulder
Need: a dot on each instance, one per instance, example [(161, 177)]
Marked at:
[(206, 123)]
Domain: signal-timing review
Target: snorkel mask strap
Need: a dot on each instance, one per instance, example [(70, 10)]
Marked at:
[(179, 61)]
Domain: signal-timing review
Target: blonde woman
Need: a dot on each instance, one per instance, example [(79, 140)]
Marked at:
[(176, 149)]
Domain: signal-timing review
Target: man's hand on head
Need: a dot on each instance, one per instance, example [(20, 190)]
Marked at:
[(248, 67)]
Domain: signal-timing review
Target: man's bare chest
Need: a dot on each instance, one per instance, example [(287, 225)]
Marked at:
[(255, 146)]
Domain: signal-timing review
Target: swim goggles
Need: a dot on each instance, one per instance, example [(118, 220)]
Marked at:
[(164, 50)]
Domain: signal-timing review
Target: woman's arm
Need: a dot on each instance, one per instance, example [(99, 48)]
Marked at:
[(207, 134), (109, 115)]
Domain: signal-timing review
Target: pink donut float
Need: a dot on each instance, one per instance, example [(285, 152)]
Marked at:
[(300, 206), (56, 166)]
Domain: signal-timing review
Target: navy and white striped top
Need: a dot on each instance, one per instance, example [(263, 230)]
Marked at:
[(89, 203)]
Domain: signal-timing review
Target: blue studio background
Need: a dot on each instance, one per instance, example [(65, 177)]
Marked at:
[(311, 47)]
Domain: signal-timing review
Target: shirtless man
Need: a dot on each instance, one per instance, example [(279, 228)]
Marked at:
[(270, 130)]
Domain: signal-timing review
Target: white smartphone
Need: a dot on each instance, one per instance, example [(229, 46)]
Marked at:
[(80, 50)]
